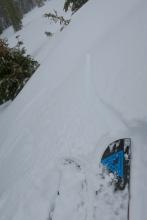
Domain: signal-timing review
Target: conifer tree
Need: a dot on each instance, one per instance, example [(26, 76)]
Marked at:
[(74, 4), (13, 13), (16, 67)]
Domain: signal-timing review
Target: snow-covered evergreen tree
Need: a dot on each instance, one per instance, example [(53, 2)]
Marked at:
[(15, 70)]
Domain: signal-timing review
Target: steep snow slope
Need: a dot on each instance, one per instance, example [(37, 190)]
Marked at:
[(34, 27), (88, 92)]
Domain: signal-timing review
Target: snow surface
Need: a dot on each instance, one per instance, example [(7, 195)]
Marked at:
[(89, 91)]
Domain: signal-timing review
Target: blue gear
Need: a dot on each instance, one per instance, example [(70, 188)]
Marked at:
[(115, 163)]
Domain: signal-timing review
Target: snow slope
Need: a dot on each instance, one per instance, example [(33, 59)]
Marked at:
[(89, 90), (34, 27)]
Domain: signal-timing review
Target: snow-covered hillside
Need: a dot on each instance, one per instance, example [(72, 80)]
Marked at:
[(89, 91)]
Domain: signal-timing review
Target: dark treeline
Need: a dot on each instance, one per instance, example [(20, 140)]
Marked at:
[(12, 11)]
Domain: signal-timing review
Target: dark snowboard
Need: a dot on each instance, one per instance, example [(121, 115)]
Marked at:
[(116, 159)]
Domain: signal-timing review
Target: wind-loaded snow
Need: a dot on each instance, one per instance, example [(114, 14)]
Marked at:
[(89, 91)]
